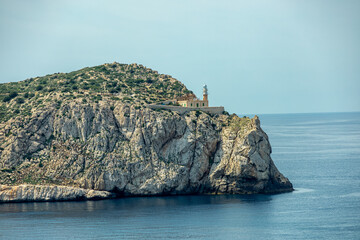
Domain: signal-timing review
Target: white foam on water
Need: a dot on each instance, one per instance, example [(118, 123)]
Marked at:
[(303, 190), (354, 194)]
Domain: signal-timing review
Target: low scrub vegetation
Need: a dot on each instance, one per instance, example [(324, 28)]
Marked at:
[(132, 84)]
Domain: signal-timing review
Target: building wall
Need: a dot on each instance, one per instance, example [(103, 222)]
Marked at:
[(183, 103), (193, 103), (182, 110)]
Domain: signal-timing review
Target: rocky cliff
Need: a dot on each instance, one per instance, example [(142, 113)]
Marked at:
[(113, 145)]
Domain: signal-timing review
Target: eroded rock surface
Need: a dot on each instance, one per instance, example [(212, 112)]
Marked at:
[(23, 193), (112, 146)]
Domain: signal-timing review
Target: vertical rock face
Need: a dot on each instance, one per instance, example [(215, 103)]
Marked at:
[(244, 164), (134, 151)]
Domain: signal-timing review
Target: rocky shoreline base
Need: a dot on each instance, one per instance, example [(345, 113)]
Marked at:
[(40, 193), (48, 193)]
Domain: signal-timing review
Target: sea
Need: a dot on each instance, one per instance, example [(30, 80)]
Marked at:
[(319, 153)]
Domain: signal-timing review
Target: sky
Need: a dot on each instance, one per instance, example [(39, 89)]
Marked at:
[(256, 56)]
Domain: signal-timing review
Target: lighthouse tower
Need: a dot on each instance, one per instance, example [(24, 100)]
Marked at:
[(205, 95)]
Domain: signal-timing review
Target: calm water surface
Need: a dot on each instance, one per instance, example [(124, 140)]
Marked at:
[(319, 153)]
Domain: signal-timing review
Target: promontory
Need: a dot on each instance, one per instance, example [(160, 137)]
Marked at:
[(118, 130)]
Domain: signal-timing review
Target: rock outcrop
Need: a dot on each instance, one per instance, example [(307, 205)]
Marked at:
[(31, 193), (141, 152), (131, 150)]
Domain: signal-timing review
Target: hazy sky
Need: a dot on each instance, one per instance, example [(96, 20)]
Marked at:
[(270, 56)]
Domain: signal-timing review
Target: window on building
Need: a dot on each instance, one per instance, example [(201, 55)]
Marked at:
[(197, 105), (191, 104), (203, 104)]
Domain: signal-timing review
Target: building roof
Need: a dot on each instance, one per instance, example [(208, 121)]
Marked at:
[(189, 96)]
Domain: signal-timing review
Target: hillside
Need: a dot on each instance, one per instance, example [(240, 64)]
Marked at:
[(91, 130)]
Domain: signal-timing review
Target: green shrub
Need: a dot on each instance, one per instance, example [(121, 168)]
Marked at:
[(4, 113), (58, 104), (10, 96), (20, 100), (115, 98)]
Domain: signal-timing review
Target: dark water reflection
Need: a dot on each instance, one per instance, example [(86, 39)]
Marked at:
[(153, 217), (135, 203)]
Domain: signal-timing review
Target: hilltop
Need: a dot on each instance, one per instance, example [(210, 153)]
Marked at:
[(128, 83), (89, 134)]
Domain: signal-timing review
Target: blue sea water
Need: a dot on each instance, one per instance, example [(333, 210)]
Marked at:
[(319, 153)]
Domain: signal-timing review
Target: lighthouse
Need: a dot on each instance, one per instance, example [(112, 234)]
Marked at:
[(205, 94)]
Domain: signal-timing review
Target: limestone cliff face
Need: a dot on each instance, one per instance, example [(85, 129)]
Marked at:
[(116, 147)]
